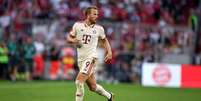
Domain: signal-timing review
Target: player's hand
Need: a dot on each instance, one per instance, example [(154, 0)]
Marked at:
[(108, 56), (78, 43)]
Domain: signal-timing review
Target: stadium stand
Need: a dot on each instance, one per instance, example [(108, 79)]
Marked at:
[(138, 30)]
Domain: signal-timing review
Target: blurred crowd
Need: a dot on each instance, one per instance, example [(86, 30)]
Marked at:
[(33, 46)]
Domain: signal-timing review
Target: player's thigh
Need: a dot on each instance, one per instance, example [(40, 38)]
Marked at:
[(82, 77)]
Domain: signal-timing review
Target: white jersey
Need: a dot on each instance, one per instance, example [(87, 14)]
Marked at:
[(89, 36)]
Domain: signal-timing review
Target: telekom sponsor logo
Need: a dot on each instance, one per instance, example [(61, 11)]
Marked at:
[(161, 74)]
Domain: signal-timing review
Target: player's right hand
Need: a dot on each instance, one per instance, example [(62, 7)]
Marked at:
[(78, 44)]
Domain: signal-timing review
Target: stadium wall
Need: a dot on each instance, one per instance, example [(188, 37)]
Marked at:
[(171, 75)]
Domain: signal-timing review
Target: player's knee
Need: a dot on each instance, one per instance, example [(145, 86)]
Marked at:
[(92, 87)]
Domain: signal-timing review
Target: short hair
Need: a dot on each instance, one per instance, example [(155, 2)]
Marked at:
[(88, 10)]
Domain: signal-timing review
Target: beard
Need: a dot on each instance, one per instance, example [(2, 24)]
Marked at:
[(93, 21)]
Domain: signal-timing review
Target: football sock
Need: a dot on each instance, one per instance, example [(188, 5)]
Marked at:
[(79, 91), (101, 91)]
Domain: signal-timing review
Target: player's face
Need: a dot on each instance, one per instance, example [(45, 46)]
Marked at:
[(93, 15)]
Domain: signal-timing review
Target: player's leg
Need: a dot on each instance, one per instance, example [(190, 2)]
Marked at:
[(93, 86), (85, 70), (81, 78)]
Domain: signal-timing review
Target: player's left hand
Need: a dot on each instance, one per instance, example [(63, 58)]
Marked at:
[(108, 57)]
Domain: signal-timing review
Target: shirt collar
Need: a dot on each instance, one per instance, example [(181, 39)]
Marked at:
[(91, 26)]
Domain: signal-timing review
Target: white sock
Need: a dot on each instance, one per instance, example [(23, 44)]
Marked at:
[(80, 91), (101, 91)]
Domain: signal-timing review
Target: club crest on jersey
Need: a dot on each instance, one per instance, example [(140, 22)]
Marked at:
[(94, 31)]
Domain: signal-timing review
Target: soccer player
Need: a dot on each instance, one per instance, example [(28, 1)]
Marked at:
[(86, 35)]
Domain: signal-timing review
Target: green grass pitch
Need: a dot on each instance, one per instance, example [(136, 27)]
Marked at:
[(64, 91)]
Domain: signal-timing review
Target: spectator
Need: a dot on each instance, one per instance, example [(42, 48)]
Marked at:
[(124, 72), (54, 63), (38, 58), (3, 61), (68, 62), (29, 51), (13, 57)]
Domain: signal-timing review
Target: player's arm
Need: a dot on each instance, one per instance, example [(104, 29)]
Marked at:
[(108, 49), (71, 37)]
